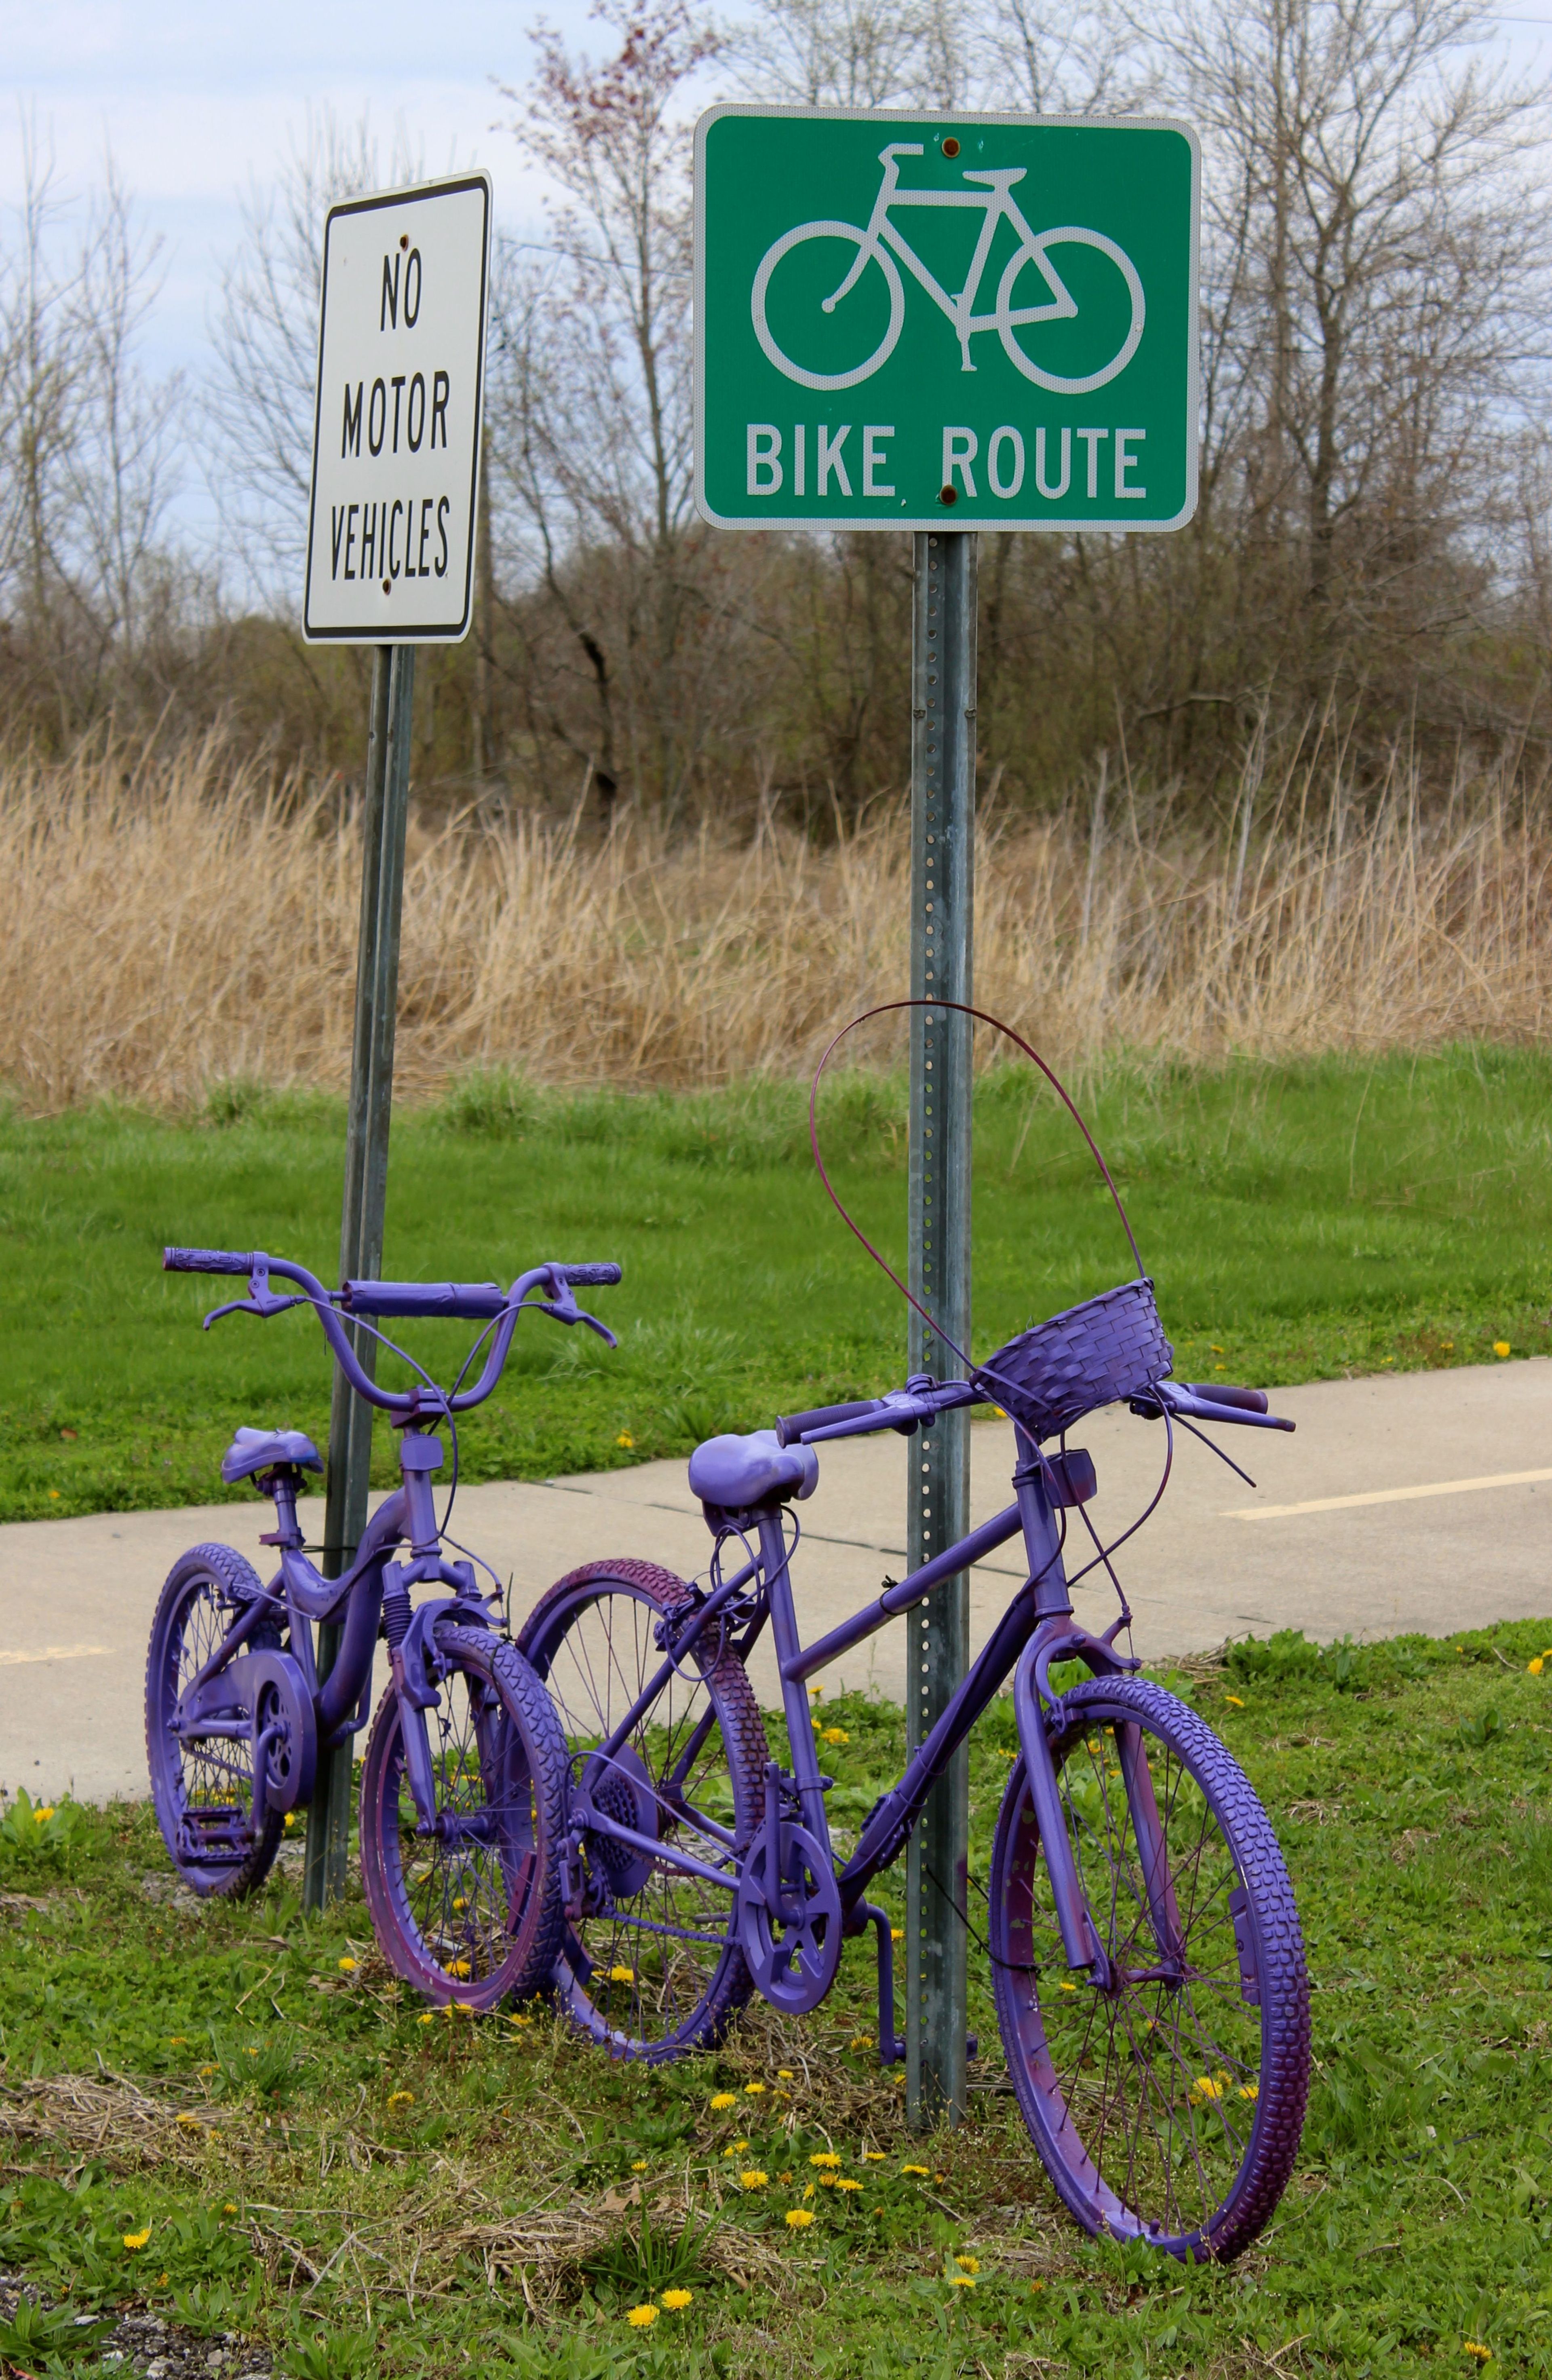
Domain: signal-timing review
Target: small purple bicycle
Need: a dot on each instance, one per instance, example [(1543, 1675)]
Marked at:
[(464, 1783), (1147, 1966)]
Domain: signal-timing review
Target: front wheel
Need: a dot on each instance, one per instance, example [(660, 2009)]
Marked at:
[(868, 251), (471, 1911), (1166, 2100)]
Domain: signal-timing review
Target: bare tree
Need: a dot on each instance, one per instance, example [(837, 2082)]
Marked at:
[(259, 403)]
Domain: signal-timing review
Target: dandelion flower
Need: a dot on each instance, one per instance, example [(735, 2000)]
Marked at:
[(1501, 1348), (1206, 2088), (460, 1902), (753, 2179), (137, 2239), (827, 2182), (862, 2040), (1065, 1986), (229, 2208), (968, 2263), (347, 1967), (190, 2120), (40, 1815), (962, 2280), (738, 2147), (206, 2071), (914, 2168), (799, 2218), (845, 2182), (1249, 2091), (177, 2041), (676, 2300), (786, 2074), (1228, 1698), (753, 2090), (1536, 1666), (426, 2019), (724, 2099), (835, 1735), (622, 1975), (873, 2157), (401, 2098), (649, 2313), (826, 2160), (638, 2164), (1473, 2347), (897, 1933), (642, 2317)]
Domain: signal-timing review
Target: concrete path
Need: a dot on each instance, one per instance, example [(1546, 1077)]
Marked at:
[(1415, 1502)]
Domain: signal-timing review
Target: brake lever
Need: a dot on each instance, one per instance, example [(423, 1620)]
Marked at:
[(562, 1306), (263, 1305)]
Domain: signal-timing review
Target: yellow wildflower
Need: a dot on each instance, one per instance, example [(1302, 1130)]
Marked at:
[(290, 1818), (724, 2099), (192, 2121), (347, 1967), (827, 2182), (873, 2157), (229, 2208), (401, 2098), (1249, 2091), (458, 1967), (137, 2239), (1501, 1348), (753, 2090), (426, 2019), (960, 2281), (638, 2164), (1065, 1986), (206, 2071), (1206, 2088), (622, 1975), (786, 2074), (968, 2263), (676, 2300), (826, 2159), (642, 2317), (753, 2179), (46, 1812), (177, 2041), (1474, 2346), (862, 2040), (625, 1439), (846, 2183), (1228, 1698), (799, 2218), (1536, 1666), (897, 1933), (835, 1735), (914, 2168)]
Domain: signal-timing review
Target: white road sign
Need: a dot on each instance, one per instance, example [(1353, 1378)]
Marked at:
[(395, 446)]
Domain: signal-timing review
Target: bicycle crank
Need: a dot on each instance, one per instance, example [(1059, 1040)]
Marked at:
[(789, 1917)]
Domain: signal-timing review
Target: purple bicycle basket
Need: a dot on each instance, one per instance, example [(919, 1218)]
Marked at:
[(1109, 1347)]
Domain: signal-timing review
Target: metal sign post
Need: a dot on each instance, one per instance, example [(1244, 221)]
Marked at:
[(938, 1505), (391, 550), (905, 321)]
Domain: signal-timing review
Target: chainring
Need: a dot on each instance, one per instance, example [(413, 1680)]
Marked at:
[(791, 1936)]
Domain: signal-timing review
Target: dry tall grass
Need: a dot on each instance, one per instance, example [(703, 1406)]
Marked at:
[(173, 925)]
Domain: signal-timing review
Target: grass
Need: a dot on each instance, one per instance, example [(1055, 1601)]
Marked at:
[(1303, 1219), (210, 2114), (175, 919)]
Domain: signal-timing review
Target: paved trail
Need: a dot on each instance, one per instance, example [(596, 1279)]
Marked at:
[(1420, 1502)]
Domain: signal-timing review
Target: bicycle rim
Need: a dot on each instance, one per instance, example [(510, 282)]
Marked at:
[(456, 1912), (1169, 2106), (203, 1785), (774, 255), (1011, 319), (651, 1966)]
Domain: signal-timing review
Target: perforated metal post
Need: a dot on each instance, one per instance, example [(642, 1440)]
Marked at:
[(942, 862), (385, 811)]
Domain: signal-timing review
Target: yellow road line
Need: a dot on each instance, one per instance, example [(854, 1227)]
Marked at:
[(1385, 1496), (52, 1652)]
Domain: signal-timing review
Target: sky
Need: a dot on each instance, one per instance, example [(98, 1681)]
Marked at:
[(199, 102)]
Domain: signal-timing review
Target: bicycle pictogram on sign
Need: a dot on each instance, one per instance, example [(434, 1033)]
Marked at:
[(882, 242)]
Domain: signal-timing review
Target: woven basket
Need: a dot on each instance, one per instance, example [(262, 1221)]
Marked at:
[(1111, 1346)]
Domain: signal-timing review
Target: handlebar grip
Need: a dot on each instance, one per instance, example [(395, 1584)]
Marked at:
[(790, 1426), (591, 1276), (204, 1260), (1214, 1394)]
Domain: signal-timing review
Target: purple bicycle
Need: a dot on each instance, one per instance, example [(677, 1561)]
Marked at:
[(464, 1783), (1147, 1966)]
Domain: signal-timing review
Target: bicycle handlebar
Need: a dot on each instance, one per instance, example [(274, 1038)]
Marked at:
[(903, 1409), (482, 1302)]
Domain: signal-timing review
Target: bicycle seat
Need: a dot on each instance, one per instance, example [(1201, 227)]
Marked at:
[(261, 1450), (735, 1472)]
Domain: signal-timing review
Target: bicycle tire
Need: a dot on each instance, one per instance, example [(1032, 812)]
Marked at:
[(1062, 384), (473, 1913), (195, 1782), (650, 1967), (772, 258), (1182, 2136)]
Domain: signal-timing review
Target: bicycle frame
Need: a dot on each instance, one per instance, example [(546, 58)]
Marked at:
[(1037, 1629), (993, 208)]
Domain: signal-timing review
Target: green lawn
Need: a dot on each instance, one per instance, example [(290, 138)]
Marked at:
[(1301, 1221), (208, 2115)]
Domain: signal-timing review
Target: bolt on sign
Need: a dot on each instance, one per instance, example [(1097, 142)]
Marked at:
[(913, 322), (395, 446)]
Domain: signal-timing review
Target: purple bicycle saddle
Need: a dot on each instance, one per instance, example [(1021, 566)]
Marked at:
[(258, 1450), (737, 1471)]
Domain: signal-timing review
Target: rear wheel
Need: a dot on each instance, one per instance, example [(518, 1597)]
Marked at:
[(471, 1912), (1165, 2101), (203, 1785), (651, 1966)]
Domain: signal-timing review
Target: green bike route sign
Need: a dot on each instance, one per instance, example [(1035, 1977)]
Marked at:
[(903, 321)]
